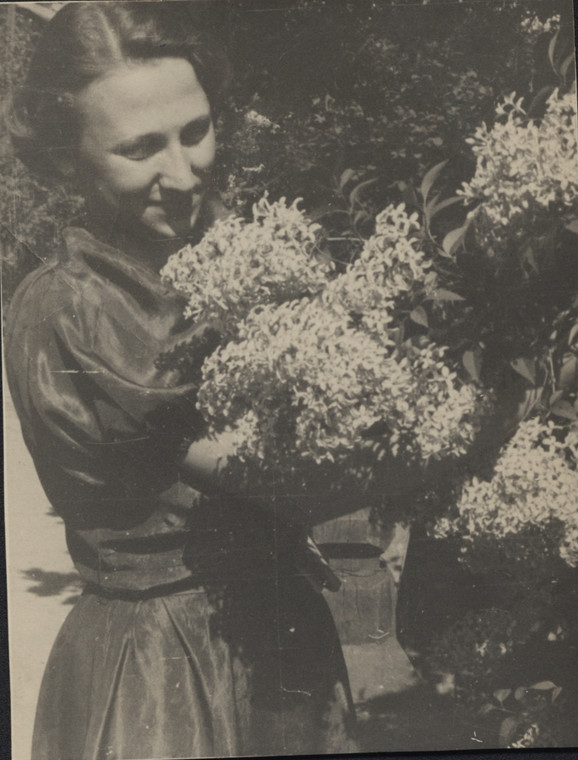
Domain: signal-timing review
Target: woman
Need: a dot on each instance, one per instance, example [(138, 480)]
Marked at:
[(198, 634)]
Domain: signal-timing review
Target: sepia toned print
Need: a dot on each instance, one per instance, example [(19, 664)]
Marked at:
[(289, 321)]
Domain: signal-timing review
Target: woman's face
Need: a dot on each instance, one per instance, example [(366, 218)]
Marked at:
[(147, 145)]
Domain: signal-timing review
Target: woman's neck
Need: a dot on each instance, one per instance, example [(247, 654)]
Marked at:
[(142, 245)]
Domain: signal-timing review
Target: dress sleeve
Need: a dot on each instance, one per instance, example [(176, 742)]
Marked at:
[(101, 420)]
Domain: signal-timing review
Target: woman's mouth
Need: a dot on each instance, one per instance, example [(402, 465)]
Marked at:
[(175, 216), (177, 209)]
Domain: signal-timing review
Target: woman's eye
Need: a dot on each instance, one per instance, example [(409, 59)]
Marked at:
[(137, 155), (194, 132), (140, 150)]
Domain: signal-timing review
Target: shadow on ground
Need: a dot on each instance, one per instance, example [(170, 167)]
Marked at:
[(415, 719), (48, 583)]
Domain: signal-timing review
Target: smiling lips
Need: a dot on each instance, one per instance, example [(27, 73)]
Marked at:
[(177, 208)]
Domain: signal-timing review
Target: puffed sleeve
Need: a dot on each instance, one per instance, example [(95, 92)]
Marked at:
[(104, 424)]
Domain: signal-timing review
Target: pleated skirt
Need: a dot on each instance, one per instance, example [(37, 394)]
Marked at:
[(253, 670)]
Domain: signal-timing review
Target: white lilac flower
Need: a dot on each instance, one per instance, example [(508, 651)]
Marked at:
[(534, 483), (390, 266), (240, 264), (534, 28), (523, 167), (305, 383), (258, 120)]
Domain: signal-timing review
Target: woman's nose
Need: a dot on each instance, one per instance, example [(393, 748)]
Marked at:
[(177, 171)]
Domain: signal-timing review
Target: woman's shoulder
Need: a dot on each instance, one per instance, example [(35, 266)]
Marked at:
[(39, 290), (54, 291), (42, 288)]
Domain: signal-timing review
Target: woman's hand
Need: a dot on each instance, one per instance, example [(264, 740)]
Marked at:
[(206, 459)]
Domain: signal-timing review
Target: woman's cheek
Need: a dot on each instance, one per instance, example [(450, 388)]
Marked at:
[(208, 150), (131, 177), (201, 157)]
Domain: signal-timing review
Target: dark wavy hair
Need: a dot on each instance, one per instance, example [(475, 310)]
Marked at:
[(81, 44)]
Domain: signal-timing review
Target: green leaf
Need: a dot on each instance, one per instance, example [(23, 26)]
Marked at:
[(568, 372), (487, 708), (430, 178), (526, 368), (358, 188), (346, 176), (434, 208), (442, 294), (361, 216), (551, 50), (520, 693), (326, 210), (573, 333), (540, 98), (453, 239), (419, 316), (564, 409), (529, 258), (565, 65), (472, 361), (507, 731), (572, 226), (429, 206), (556, 693), (531, 398), (502, 694), (543, 686)]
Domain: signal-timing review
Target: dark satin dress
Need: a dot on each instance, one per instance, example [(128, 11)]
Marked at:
[(196, 636)]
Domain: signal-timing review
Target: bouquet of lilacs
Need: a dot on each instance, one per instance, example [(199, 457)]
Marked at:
[(311, 366)]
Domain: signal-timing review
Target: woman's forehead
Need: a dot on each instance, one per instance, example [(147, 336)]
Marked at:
[(140, 98)]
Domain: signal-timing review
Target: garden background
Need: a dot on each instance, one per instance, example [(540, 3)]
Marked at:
[(349, 106)]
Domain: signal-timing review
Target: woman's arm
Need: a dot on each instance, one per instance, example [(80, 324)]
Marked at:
[(204, 466)]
